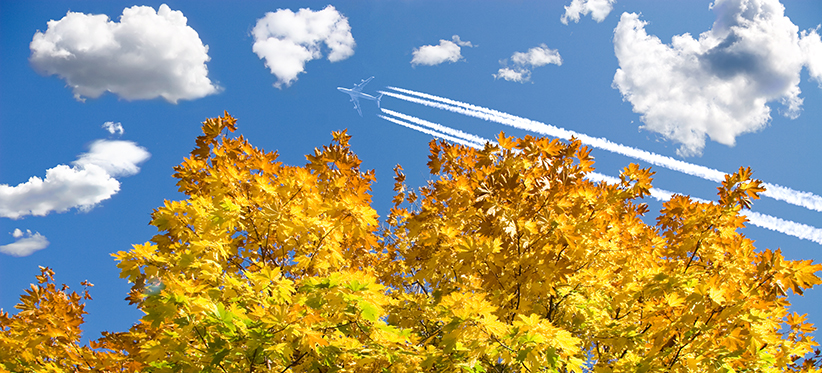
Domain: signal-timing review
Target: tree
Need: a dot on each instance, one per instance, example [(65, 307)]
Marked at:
[(44, 335), (566, 272), (509, 260)]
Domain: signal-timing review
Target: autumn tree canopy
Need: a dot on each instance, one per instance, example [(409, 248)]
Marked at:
[(508, 260)]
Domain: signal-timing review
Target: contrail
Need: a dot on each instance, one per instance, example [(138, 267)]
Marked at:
[(791, 228), (799, 230), (778, 192), (436, 127), (429, 132)]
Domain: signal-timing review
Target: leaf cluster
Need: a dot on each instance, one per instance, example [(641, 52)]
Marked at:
[(508, 260)]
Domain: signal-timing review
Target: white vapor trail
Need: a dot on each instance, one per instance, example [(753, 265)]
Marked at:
[(791, 228), (436, 127), (804, 199), (429, 132)]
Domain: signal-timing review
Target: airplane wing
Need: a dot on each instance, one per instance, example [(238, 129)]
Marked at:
[(358, 87), (356, 104)]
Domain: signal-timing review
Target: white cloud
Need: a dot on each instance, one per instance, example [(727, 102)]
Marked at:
[(537, 56), (524, 61), (117, 158), (513, 75), (90, 181), (720, 84), (446, 51), (811, 45), (114, 128), (63, 188), (146, 55), (287, 40), (456, 39), (25, 243), (599, 9)]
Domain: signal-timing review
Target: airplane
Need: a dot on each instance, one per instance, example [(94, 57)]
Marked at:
[(356, 94)]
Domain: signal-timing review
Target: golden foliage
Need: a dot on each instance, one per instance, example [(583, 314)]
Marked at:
[(44, 335), (510, 260)]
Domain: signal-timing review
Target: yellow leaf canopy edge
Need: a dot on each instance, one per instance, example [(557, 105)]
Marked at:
[(508, 260)]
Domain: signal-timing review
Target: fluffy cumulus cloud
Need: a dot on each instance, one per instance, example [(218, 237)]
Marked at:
[(287, 40), (523, 62), (147, 54), (25, 243), (599, 9), (446, 51), (90, 180), (719, 85)]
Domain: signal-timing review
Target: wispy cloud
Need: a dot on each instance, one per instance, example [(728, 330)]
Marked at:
[(599, 9), (25, 243), (147, 54), (811, 45), (446, 51), (439, 131), (778, 192), (89, 181), (456, 39), (287, 40), (719, 85), (522, 63), (114, 128)]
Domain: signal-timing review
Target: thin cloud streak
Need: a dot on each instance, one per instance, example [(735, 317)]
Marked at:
[(429, 132), (799, 198), (799, 230), (436, 126), (791, 228)]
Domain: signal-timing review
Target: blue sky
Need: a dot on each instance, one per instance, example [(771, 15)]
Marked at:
[(701, 87)]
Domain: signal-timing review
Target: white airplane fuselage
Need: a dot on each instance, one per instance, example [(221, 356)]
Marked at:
[(356, 94)]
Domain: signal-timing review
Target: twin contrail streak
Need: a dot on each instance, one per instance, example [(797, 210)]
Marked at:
[(436, 127), (778, 192), (429, 132), (790, 228)]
